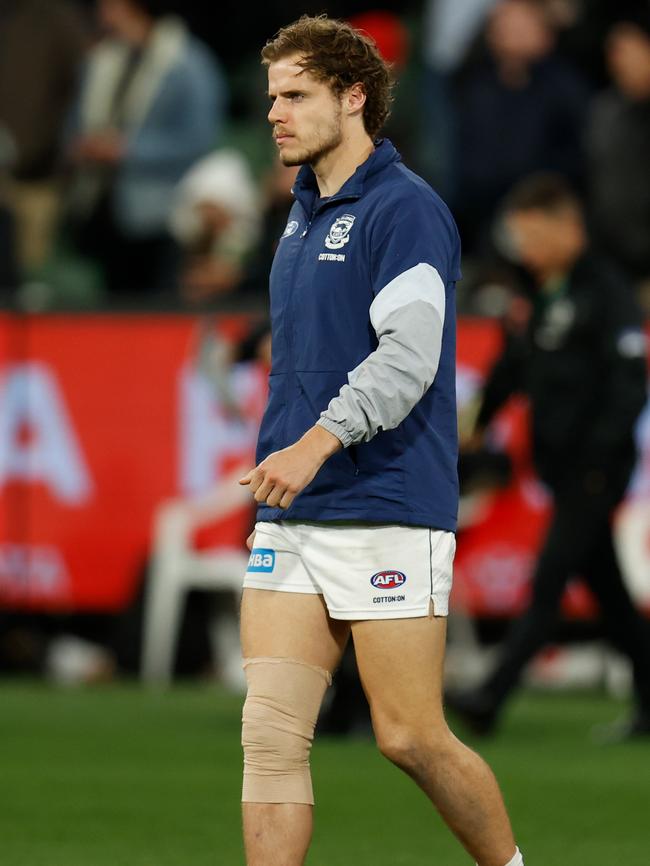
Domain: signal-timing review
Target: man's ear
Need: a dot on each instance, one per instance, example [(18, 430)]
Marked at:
[(355, 98)]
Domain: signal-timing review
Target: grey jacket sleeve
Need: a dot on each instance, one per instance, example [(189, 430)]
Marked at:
[(408, 317)]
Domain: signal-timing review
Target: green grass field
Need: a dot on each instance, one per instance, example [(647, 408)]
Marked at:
[(118, 776)]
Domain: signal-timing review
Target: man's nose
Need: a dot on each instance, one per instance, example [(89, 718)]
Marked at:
[(275, 115)]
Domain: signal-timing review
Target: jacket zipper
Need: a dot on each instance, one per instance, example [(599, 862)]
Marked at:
[(288, 324), (319, 208)]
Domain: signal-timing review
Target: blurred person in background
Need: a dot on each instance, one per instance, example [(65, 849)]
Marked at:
[(216, 220), (619, 153), (449, 30), (41, 49), (520, 109), (582, 28), (277, 200), (230, 227), (151, 103), (582, 362)]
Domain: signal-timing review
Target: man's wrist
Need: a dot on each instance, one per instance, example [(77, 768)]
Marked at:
[(322, 442), (336, 429)]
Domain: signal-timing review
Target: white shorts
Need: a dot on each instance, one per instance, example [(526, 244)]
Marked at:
[(363, 572)]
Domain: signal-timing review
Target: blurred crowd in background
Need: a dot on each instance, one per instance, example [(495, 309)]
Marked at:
[(138, 172), (137, 168)]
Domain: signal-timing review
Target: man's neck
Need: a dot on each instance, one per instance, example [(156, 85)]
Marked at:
[(515, 75), (554, 284), (340, 164), (554, 279)]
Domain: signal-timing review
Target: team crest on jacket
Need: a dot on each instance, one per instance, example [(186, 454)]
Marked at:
[(290, 229), (338, 234)]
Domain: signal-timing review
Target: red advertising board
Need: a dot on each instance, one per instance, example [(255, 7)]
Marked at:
[(102, 418)]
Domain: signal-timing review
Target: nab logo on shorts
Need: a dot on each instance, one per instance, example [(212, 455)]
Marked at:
[(388, 579), (261, 559)]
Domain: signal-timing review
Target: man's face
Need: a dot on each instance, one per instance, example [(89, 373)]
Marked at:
[(628, 57), (306, 115), (545, 242), (517, 31), (114, 15)]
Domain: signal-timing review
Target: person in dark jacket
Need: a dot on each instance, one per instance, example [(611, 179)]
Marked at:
[(520, 109), (581, 361), (41, 50), (356, 478), (618, 145)]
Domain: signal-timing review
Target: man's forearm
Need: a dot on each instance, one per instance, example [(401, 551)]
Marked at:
[(320, 443), (385, 387)]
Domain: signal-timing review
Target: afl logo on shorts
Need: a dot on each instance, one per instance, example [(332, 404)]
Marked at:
[(388, 579)]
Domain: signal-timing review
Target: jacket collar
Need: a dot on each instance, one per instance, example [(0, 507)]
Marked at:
[(305, 189)]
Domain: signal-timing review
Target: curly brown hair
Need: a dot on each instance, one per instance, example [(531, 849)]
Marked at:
[(334, 52)]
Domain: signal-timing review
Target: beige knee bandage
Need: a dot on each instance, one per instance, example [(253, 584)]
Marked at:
[(280, 713)]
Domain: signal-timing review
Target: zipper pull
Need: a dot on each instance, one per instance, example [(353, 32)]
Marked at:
[(306, 230)]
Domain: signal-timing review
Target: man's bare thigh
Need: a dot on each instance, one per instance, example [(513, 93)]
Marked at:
[(401, 667), (291, 625)]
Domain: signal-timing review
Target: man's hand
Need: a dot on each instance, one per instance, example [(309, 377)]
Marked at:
[(284, 474)]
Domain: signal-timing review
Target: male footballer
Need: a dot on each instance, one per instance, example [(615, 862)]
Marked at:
[(356, 463)]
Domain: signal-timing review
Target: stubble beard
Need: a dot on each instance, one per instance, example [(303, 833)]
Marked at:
[(327, 140)]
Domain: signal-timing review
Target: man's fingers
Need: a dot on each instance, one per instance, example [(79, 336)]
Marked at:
[(262, 490), (254, 477), (286, 499), (250, 541), (274, 497), (257, 479), (266, 485)]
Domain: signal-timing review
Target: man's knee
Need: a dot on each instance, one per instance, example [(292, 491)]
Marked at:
[(280, 713), (413, 748)]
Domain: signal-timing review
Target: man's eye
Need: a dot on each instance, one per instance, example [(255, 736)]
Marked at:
[(297, 97)]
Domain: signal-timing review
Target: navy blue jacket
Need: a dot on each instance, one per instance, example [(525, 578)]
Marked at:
[(335, 257)]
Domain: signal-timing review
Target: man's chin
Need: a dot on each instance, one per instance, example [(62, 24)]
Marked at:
[(292, 159)]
